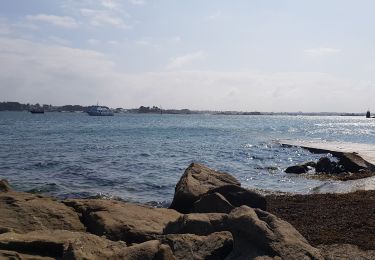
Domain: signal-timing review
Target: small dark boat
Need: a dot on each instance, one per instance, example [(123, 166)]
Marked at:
[(368, 114), (36, 111)]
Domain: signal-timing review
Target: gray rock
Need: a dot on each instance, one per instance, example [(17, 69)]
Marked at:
[(196, 181)]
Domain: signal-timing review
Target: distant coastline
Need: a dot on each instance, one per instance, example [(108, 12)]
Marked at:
[(16, 106)]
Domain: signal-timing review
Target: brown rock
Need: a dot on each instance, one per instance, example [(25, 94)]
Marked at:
[(258, 233), (123, 221), (4, 186), (62, 244), (188, 246), (196, 181), (214, 202), (23, 212), (198, 223), (238, 196)]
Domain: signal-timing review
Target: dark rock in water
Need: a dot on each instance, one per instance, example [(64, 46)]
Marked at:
[(213, 202), (188, 246), (123, 221), (325, 165), (301, 168), (238, 196), (352, 162), (297, 169), (196, 181)]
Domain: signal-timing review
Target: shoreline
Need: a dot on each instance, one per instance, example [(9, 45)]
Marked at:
[(211, 217)]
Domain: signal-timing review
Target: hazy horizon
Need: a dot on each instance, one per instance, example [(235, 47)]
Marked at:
[(271, 55)]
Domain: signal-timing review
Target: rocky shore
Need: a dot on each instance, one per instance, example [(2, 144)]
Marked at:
[(211, 217)]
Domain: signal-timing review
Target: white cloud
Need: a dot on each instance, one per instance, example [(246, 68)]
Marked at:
[(93, 41), (59, 41), (62, 21), (137, 2), (184, 60), (33, 72), (317, 52), (111, 4), (214, 15), (102, 17)]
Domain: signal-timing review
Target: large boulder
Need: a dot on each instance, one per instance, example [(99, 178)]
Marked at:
[(196, 181), (188, 246), (238, 196), (258, 233), (62, 244), (23, 212), (123, 221)]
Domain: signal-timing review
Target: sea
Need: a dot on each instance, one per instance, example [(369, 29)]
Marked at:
[(141, 157)]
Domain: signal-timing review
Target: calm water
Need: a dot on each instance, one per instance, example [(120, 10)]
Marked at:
[(141, 157)]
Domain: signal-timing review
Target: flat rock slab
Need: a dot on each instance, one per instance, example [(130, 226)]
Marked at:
[(123, 221), (366, 151), (62, 244), (23, 212)]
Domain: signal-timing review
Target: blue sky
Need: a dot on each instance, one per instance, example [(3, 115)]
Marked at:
[(218, 55)]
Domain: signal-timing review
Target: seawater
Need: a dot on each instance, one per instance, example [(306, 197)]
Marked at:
[(140, 157)]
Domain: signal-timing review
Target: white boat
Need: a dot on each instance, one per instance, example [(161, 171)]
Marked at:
[(99, 111)]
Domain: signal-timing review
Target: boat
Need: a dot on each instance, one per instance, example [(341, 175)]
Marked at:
[(99, 111), (368, 114), (36, 110)]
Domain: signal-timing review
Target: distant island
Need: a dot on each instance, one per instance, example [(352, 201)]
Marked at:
[(16, 106)]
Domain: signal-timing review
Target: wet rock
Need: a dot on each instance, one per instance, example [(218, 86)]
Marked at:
[(345, 251), (23, 212), (62, 244), (196, 181), (301, 168), (123, 221), (213, 202), (258, 233), (352, 162), (325, 165), (188, 246), (297, 169), (238, 196)]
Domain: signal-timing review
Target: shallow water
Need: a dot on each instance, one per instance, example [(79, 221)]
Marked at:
[(140, 157)]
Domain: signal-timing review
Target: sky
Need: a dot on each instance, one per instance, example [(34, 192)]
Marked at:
[(243, 55)]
